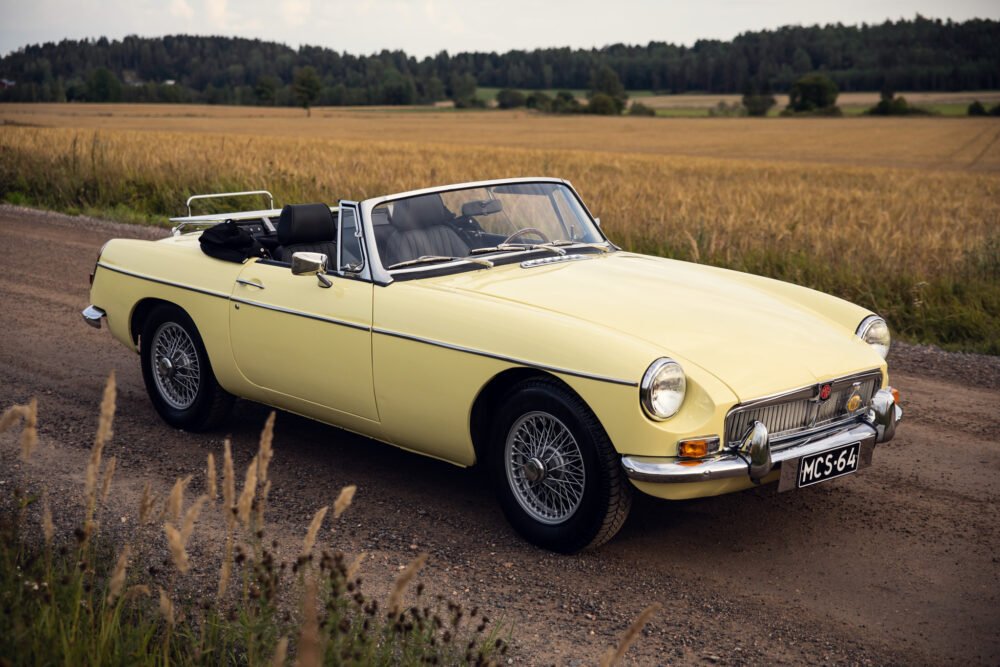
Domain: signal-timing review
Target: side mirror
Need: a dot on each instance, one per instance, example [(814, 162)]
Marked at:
[(597, 221), (311, 264)]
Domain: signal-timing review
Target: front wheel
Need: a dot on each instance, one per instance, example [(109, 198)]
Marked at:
[(558, 477), (177, 373)]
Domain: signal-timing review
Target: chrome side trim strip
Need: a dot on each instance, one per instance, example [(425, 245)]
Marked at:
[(384, 332), (298, 313), (664, 470), (500, 357), (221, 295)]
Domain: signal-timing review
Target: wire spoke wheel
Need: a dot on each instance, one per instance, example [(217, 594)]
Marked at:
[(545, 467), (176, 369)]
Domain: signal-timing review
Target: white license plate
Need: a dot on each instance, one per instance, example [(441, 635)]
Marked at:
[(830, 464)]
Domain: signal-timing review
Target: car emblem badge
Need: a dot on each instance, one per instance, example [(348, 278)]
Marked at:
[(824, 391), (854, 402)]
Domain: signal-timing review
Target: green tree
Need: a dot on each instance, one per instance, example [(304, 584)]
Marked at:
[(801, 62), (539, 101), (462, 89), (758, 102), (565, 102), (603, 105), (397, 89), (434, 89), (976, 109), (813, 92), (604, 80), (266, 89), (306, 86), (640, 109), (508, 98), (103, 86), (894, 105)]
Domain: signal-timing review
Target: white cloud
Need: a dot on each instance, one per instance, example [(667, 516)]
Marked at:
[(447, 21), (216, 12), (181, 9), (296, 12)]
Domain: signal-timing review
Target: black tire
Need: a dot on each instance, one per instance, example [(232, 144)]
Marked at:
[(189, 397), (597, 495)]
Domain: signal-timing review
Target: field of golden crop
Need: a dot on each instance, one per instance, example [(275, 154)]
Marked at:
[(901, 215)]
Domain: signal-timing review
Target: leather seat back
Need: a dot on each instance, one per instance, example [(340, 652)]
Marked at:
[(421, 229), (306, 228)]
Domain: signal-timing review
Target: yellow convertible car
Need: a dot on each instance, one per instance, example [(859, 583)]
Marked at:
[(494, 323)]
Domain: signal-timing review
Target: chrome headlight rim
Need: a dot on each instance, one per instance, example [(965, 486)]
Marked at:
[(865, 329), (646, 388)]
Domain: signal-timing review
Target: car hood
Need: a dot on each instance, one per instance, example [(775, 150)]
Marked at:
[(756, 340)]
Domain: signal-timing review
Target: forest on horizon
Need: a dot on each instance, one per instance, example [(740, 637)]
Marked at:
[(915, 55)]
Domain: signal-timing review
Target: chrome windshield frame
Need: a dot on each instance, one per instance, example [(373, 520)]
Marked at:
[(382, 276)]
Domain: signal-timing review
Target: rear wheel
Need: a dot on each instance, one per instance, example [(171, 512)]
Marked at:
[(558, 477), (177, 373)]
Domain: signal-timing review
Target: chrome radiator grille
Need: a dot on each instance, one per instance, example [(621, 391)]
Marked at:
[(802, 411)]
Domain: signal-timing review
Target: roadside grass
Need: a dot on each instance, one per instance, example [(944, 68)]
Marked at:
[(919, 246), (84, 599)]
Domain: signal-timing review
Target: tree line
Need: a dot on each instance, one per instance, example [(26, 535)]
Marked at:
[(919, 54)]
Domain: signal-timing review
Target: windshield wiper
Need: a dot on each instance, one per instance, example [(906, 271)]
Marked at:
[(554, 246), (510, 247), (429, 259)]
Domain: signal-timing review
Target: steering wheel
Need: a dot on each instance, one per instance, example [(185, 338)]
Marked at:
[(527, 230)]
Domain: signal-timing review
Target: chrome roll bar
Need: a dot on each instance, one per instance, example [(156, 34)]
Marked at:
[(249, 193)]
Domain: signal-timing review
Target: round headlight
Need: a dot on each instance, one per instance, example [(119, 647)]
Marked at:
[(874, 331), (662, 389)]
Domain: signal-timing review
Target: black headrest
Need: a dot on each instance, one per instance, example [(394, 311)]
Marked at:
[(420, 212), (306, 223)]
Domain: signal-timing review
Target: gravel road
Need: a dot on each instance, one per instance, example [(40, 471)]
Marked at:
[(898, 564)]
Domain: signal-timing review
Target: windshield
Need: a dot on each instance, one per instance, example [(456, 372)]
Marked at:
[(476, 223)]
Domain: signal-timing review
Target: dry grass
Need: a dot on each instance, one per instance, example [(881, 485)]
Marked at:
[(806, 200), (71, 602), (925, 143)]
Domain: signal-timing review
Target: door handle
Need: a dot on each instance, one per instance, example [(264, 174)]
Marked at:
[(249, 283)]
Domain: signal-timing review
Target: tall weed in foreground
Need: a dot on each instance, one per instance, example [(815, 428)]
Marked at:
[(86, 599), (89, 600)]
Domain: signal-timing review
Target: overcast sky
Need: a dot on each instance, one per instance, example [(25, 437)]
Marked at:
[(424, 27)]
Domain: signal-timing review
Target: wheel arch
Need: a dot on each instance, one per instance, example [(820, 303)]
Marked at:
[(141, 311), (489, 397)]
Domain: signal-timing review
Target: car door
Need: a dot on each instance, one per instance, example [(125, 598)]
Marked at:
[(304, 346)]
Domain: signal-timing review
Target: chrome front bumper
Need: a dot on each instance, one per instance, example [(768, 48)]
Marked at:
[(92, 315), (755, 459)]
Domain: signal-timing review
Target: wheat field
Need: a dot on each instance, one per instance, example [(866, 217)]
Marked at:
[(898, 215)]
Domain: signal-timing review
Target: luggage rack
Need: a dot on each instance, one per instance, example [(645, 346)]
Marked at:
[(189, 222)]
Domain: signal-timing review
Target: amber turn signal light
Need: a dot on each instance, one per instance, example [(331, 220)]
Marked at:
[(895, 395), (697, 448)]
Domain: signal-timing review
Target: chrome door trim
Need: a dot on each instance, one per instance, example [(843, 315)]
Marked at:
[(299, 313), (501, 357)]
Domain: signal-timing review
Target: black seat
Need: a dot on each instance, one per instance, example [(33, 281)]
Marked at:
[(306, 228), (421, 229)]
